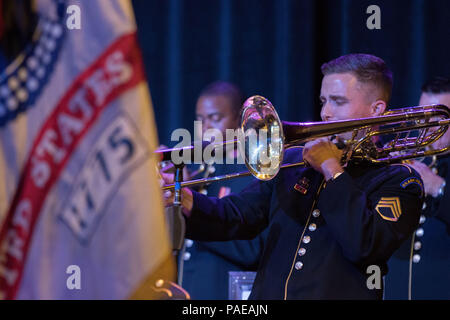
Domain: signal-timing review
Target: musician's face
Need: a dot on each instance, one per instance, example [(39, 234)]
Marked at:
[(344, 97), (441, 98), (216, 112)]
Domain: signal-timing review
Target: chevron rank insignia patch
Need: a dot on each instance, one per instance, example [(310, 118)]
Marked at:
[(389, 208)]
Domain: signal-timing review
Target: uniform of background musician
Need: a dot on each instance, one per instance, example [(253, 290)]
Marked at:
[(420, 269), (206, 264), (322, 237)]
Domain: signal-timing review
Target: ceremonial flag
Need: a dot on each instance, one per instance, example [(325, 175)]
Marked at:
[(81, 210)]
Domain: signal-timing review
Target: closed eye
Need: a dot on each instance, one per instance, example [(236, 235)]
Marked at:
[(215, 117), (339, 100)]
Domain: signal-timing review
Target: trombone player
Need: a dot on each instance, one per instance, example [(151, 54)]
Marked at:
[(330, 223)]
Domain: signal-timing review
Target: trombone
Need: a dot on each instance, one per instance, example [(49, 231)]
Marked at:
[(414, 129)]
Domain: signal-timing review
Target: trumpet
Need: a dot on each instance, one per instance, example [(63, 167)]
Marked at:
[(414, 129)]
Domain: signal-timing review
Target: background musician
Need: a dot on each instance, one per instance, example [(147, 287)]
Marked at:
[(206, 264), (420, 269)]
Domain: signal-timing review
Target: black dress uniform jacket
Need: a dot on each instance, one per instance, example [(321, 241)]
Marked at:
[(207, 263), (321, 236)]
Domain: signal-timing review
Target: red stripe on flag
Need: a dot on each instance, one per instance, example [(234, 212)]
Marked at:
[(117, 70)]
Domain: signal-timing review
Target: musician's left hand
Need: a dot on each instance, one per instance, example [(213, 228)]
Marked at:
[(323, 156)]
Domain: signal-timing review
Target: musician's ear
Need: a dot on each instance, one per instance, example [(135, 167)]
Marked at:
[(377, 108)]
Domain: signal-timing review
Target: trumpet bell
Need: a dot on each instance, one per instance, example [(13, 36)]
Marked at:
[(263, 136)]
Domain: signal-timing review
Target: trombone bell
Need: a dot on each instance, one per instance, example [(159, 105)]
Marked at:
[(263, 138)]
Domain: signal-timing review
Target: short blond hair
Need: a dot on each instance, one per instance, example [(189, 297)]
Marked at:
[(366, 68)]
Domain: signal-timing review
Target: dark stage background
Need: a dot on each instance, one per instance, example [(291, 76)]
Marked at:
[(275, 48)]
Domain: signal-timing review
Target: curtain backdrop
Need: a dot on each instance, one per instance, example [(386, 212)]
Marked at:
[(275, 48)]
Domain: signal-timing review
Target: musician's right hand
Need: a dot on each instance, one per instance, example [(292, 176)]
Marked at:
[(187, 200)]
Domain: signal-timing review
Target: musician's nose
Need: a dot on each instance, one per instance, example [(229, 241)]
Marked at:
[(325, 112)]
